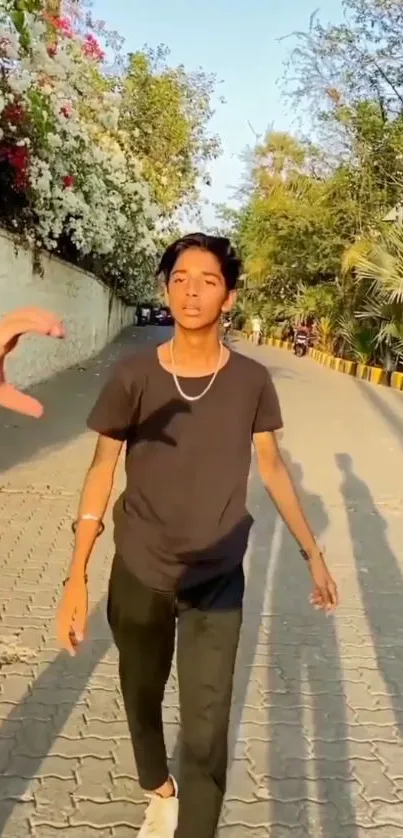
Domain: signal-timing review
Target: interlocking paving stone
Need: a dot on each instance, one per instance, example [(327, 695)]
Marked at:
[(317, 723)]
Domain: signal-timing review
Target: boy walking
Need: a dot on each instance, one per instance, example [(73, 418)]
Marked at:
[(187, 413)]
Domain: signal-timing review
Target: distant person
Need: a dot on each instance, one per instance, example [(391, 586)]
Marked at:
[(186, 412), (256, 329), (144, 314), (288, 333), (12, 327), (302, 329)]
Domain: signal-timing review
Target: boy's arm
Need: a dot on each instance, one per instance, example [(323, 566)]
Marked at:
[(94, 500), (278, 483), (72, 613)]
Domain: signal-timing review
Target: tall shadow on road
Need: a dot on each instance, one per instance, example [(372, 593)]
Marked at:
[(380, 579), (41, 715), (260, 557), (308, 759)]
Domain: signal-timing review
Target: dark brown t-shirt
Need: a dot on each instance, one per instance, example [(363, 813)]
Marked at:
[(182, 518)]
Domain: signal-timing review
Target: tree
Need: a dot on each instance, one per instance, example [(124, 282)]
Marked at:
[(95, 161), (67, 183), (165, 115), (288, 232), (310, 227), (349, 76), (379, 273), (318, 301), (357, 60)]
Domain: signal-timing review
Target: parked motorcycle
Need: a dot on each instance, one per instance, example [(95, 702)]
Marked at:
[(301, 344)]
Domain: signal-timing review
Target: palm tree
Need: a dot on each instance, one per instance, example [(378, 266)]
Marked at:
[(312, 301), (357, 340), (382, 265), (378, 278)]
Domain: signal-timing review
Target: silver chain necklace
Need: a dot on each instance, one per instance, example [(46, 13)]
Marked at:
[(209, 385)]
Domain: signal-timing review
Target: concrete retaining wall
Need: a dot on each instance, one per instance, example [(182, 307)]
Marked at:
[(81, 300)]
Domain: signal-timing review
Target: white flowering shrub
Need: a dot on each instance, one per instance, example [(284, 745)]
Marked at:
[(68, 181)]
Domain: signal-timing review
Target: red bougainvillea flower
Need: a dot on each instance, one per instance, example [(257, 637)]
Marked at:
[(64, 25), (14, 113), (92, 49), (60, 24), (20, 181), (18, 158), (68, 181), (65, 110)]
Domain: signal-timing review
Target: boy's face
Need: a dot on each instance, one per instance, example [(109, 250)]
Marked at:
[(197, 294)]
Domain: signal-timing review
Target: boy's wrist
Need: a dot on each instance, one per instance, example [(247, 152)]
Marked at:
[(311, 553), (76, 577), (90, 519)]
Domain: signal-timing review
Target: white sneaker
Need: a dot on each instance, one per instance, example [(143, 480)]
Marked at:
[(161, 818)]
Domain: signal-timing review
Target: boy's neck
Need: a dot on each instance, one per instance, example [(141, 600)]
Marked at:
[(196, 348)]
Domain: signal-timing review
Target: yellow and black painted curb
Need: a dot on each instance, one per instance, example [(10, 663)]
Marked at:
[(375, 375)]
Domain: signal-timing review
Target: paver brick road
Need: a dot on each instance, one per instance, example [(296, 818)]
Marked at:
[(318, 714)]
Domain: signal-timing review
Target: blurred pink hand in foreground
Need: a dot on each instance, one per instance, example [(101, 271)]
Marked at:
[(22, 322)]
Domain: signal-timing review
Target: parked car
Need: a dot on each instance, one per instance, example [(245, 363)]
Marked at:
[(150, 314), (163, 317)]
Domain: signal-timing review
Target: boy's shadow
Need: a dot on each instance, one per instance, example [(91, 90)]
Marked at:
[(380, 580), (39, 717), (257, 570), (307, 768)]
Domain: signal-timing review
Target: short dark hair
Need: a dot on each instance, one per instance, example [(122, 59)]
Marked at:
[(221, 247)]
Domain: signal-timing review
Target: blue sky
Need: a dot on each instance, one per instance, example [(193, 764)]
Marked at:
[(239, 42)]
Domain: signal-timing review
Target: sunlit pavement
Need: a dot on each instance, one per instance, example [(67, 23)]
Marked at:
[(316, 747)]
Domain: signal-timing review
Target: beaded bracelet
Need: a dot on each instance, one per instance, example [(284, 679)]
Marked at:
[(306, 557), (67, 579)]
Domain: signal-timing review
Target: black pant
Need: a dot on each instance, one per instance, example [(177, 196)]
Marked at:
[(143, 623)]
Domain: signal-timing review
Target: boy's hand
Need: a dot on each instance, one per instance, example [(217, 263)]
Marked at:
[(325, 595), (72, 614)]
